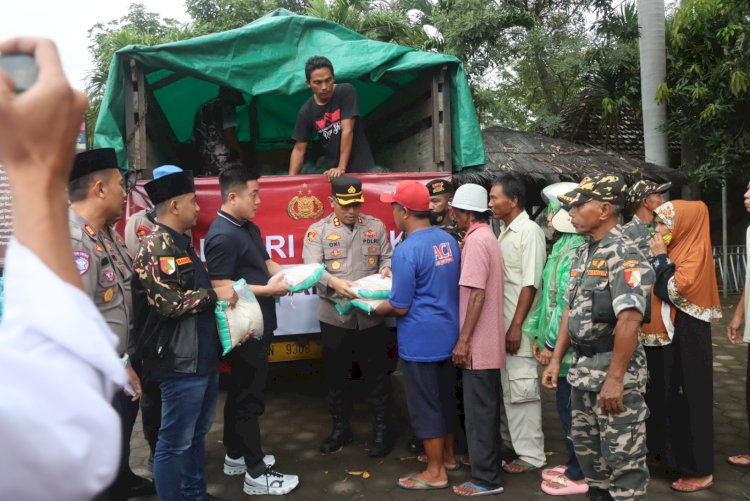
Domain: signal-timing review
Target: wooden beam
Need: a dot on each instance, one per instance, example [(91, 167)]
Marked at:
[(445, 121)]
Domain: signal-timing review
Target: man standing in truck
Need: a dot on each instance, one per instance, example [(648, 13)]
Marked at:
[(333, 113)]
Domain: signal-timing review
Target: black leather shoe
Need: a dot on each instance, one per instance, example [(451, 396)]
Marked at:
[(210, 497), (596, 494), (340, 436), (381, 437)]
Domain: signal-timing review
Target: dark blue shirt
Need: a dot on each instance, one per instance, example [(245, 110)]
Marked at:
[(426, 269), (234, 249)]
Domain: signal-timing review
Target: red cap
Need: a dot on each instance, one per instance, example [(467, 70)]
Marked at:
[(411, 194)]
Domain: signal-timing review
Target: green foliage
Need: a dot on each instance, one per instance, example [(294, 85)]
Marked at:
[(707, 85)]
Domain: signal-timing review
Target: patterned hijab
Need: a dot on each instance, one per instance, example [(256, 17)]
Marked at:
[(693, 288)]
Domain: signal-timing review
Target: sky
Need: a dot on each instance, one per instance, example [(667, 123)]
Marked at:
[(68, 22)]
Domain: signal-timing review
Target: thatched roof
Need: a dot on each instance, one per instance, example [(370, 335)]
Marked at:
[(544, 160)]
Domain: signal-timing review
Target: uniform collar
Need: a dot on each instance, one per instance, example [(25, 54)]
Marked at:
[(79, 220), (475, 227), (518, 221), (183, 241)]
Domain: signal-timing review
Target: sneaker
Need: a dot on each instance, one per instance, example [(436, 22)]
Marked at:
[(237, 466), (270, 483)]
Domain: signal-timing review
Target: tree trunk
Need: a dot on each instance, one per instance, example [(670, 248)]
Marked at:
[(653, 55)]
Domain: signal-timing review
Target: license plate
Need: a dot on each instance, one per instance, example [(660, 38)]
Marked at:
[(287, 351)]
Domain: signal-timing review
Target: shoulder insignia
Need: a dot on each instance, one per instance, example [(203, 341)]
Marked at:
[(109, 275), (89, 230), (311, 235), (336, 221), (371, 260), (184, 260), (336, 265), (108, 294), (167, 265), (360, 220), (83, 261), (142, 231), (333, 237), (633, 277), (371, 233)]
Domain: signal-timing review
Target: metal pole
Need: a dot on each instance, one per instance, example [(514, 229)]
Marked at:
[(724, 250)]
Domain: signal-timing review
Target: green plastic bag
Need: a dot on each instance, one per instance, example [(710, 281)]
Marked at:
[(235, 323)]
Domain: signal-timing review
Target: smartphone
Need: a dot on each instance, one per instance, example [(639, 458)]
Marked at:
[(21, 68)]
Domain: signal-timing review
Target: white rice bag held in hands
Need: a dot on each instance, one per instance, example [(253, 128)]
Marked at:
[(301, 277), (237, 322)]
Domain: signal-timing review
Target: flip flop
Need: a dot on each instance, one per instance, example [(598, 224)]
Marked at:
[(739, 460), (419, 485), (422, 458), (563, 486), (684, 485), (553, 473), (519, 466), (476, 490)]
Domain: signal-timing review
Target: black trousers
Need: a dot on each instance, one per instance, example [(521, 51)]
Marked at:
[(246, 402), (482, 390), (128, 411), (151, 412), (688, 364), (656, 399), (368, 347)]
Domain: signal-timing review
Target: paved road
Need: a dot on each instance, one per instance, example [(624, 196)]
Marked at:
[(296, 420)]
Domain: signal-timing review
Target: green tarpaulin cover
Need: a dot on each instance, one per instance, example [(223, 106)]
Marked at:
[(265, 60)]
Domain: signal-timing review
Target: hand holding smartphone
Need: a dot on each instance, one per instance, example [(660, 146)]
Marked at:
[(21, 68)]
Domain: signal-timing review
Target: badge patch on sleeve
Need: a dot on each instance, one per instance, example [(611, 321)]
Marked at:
[(83, 261), (167, 265), (142, 231), (311, 235), (633, 277)]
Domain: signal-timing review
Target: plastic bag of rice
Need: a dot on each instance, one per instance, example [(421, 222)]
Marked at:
[(367, 305), (301, 276), (240, 320), (373, 287)]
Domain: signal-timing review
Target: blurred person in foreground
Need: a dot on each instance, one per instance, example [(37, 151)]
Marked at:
[(60, 435)]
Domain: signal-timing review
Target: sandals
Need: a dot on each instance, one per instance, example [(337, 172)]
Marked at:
[(739, 460), (686, 485), (519, 466), (554, 473), (563, 486), (422, 458), (471, 490), (418, 485)]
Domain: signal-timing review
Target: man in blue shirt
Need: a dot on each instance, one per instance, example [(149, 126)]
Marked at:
[(424, 297)]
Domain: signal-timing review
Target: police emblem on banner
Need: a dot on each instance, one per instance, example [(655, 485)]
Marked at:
[(305, 206)]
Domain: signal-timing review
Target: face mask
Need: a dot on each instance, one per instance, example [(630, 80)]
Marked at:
[(438, 218), (667, 239)]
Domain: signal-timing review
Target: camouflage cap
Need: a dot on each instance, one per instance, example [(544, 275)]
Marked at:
[(643, 188), (602, 187)]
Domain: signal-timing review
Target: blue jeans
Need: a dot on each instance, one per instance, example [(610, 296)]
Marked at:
[(187, 413), (562, 396)]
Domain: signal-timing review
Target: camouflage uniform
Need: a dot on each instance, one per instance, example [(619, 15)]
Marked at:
[(611, 448), (637, 231)]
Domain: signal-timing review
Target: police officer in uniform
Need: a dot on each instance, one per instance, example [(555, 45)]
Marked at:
[(607, 296), (352, 246), (644, 196), (96, 195), (441, 192)]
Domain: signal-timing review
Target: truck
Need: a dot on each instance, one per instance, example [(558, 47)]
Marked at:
[(416, 108)]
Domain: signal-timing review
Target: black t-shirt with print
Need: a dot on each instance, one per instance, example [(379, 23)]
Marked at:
[(326, 122)]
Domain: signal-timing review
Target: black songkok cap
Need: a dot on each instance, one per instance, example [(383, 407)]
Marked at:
[(90, 161), (170, 186)]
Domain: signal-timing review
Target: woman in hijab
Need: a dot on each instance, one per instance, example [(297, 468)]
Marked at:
[(686, 284)]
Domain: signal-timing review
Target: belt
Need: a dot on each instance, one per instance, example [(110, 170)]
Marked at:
[(590, 348)]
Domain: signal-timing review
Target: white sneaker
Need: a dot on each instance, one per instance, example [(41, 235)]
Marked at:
[(237, 466), (270, 483)]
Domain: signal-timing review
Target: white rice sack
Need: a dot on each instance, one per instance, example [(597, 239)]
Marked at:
[(237, 322), (373, 287), (301, 276), (367, 305)]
